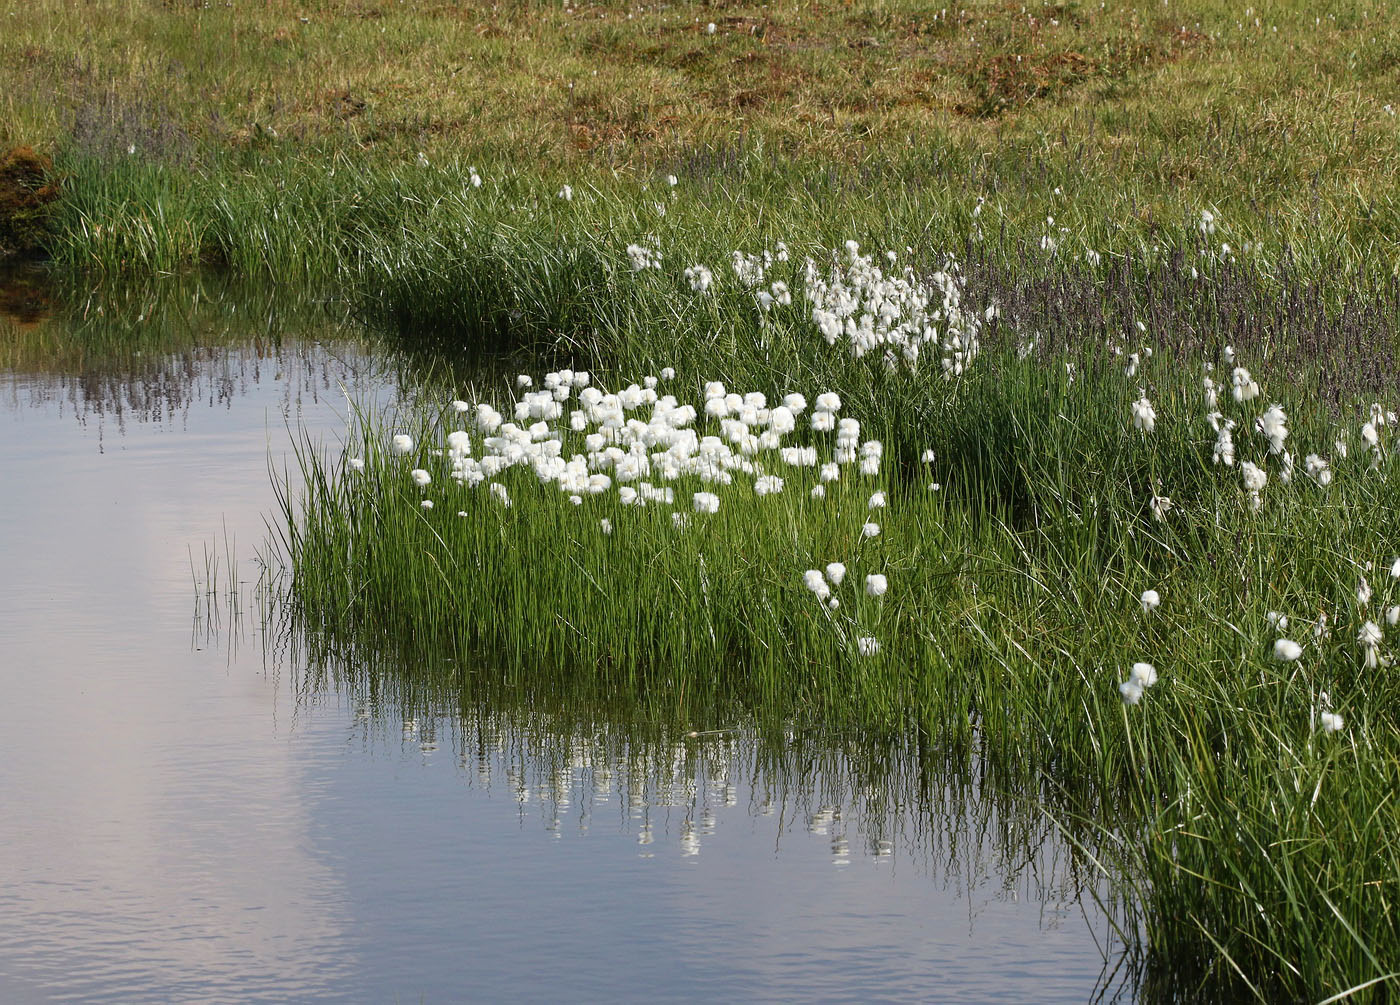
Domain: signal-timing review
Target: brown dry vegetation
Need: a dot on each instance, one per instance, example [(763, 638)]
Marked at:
[(594, 80)]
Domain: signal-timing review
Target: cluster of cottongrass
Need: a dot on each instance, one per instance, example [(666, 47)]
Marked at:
[(895, 314)]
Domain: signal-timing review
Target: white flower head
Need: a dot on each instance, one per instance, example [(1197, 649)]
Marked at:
[(876, 585), (1150, 601), (1330, 722), (1272, 426), (871, 529), (1145, 674), (1369, 639), (1144, 415), (420, 477), (1243, 387), (835, 572), (1286, 650), (1318, 470), (1255, 477), (867, 646), (357, 464), (402, 443), (1130, 691)]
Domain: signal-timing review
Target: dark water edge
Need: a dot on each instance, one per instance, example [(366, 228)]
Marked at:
[(211, 813)]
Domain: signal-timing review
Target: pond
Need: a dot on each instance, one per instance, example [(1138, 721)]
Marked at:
[(197, 810)]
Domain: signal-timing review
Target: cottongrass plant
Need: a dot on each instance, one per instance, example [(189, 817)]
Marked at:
[(1154, 670)]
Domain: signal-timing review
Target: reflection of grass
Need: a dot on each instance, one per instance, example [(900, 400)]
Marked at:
[(77, 329), (149, 351), (565, 744)]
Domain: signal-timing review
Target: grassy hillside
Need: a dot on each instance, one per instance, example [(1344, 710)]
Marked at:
[(1140, 114)]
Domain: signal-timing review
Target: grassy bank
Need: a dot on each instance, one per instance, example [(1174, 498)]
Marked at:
[(280, 137)]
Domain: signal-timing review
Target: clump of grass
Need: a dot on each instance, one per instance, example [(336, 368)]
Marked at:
[(1000, 611)]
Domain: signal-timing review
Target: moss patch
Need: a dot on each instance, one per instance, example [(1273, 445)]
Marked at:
[(27, 188)]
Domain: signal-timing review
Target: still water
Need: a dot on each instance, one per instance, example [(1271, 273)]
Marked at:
[(193, 814)]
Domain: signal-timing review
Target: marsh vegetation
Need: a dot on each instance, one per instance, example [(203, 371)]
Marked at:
[(1022, 380)]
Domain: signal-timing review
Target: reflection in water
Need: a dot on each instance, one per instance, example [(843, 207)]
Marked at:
[(233, 820), (571, 758), (153, 352)]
